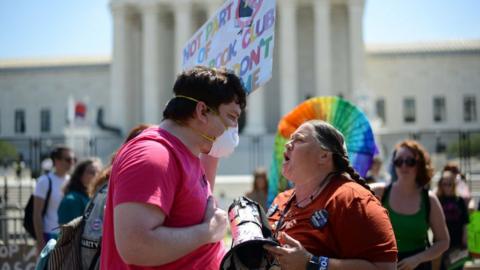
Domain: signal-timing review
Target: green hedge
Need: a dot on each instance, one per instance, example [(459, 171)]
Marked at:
[(8, 152), (453, 149)]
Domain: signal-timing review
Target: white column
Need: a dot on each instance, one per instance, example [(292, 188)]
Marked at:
[(288, 55), (256, 113), (183, 16), (357, 50), (165, 67), (322, 48), (152, 77), (121, 56)]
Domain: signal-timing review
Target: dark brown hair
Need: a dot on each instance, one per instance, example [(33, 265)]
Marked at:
[(452, 168), (440, 182), (57, 152), (75, 182), (260, 173), (424, 164), (210, 85)]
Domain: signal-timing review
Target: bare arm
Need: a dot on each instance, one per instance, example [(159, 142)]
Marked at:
[(142, 240), (38, 204), (292, 255), (441, 239), (210, 164)]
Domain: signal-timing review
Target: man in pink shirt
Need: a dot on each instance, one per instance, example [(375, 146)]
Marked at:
[(159, 212)]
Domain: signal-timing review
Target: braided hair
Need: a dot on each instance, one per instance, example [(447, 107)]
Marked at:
[(332, 140)]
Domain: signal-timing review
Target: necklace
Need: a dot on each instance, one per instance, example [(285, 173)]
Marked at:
[(286, 212), (309, 197), (315, 192)]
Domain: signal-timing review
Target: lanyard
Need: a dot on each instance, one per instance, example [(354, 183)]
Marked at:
[(280, 221), (282, 216)]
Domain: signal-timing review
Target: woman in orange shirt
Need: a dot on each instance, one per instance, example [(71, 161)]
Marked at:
[(330, 219)]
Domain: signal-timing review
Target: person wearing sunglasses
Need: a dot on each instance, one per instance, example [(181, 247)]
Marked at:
[(413, 209), (455, 210), (48, 194), (159, 212), (330, 219)]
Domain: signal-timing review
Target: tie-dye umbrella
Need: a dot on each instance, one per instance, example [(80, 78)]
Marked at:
[(341, 114)]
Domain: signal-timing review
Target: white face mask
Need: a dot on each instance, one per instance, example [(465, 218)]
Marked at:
[(224, 145)]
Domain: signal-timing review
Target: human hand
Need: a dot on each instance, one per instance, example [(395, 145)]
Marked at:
[(216, 221), (408, 263), (291, 254)]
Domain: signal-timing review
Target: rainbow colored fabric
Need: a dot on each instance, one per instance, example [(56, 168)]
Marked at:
[(340, 113)]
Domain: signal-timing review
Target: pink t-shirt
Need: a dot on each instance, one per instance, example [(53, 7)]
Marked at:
[(157, 168)]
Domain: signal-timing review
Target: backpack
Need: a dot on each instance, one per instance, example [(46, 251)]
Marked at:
[(28, 215), (79, 242)]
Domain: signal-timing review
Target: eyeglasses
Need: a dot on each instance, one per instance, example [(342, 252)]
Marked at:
[(410, 162)]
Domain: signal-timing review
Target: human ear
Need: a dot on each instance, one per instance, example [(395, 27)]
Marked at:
[(201, 111), (323, 157)]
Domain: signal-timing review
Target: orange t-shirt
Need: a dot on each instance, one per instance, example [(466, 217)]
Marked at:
[(357, 226)]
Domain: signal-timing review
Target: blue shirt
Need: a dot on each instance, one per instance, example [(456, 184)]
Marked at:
[(72, 205)]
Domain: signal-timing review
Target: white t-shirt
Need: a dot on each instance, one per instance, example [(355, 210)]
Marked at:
[(50, 220)]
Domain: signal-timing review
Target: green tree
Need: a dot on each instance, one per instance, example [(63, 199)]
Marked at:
[(8, 152), (454, 148)]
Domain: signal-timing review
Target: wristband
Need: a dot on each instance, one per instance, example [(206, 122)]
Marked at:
[(313, 263), (318, 263), (323, 263)]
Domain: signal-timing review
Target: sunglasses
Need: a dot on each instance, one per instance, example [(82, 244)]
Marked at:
[(91, 172), (69, 159), (410, 162)]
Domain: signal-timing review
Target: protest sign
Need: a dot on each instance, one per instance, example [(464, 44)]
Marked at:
[(17, 257), (240, 36)]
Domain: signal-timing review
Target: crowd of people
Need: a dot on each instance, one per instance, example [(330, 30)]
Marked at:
[(160, 212)]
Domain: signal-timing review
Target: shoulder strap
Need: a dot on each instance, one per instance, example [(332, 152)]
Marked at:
[(426, 199), (47, 199), (386, 193), (94, 262), (91, 203)]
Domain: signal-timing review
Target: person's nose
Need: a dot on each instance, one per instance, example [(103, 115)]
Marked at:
[(288, 145), (233, 122)]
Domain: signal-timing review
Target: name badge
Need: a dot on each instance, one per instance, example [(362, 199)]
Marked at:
[(319, 219)]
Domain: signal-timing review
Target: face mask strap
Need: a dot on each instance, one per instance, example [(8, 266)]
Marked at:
[(187, 97), (213, 110), (206, 137)]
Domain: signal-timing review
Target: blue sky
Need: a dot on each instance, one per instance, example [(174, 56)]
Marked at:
[(56, 28)]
